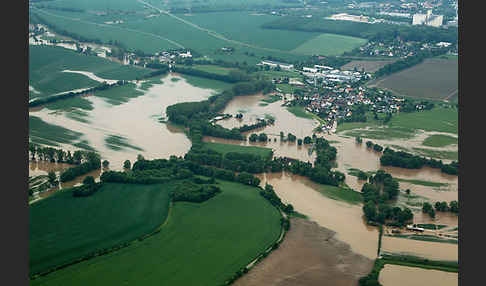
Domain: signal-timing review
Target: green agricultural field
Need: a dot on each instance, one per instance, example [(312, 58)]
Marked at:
[(404, 125), (46, 64), (226, 148), (438, 154), (246, 27), (217, 237), (42, 132), (63, 228), (329, 45), (166, 32), (213, 69), (119, 94), (439, 141), (341, 194), (299, 111), (202, 82)]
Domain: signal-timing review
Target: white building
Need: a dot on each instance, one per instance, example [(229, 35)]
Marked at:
[(428, 19), (275, 64), (312, 70)]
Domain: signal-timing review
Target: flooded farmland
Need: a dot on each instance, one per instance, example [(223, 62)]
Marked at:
[(393, 275), (345, 219), (426, 249), (136, 121)]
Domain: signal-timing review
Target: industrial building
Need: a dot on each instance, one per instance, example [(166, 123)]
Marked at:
[(428, 19)]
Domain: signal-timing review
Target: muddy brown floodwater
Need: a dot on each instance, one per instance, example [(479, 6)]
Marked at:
[(309, 255), (135, 120), (345, 219), (394, 275)]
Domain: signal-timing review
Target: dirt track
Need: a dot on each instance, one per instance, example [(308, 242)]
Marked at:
[(309, 255)]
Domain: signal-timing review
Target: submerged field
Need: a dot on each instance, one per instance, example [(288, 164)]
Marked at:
[(435, 79), (216, 237), (63, 228)]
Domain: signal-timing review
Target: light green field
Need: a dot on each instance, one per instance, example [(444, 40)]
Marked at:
[(226, 148), (201, 244), (213, 69), (329, 45), (119, 94), (299, 111), (206, 83), (438, 154), (63, 228), (166, 32), (46, 64), (439, 141), (341, 194), (404, 125)]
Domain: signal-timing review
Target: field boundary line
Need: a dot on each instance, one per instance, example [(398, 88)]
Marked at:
[(213, 33), (110, 26)]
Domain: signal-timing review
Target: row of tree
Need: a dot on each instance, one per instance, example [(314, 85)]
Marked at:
[(407, 160), (453, 207), (259, 124)]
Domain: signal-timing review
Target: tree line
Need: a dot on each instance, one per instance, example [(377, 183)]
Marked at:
[(408, 62), (409, 161), (452, 207), (233, 76)]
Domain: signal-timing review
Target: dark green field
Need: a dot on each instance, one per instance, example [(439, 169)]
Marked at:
[(63, 228), (225, 148), (201, 244)]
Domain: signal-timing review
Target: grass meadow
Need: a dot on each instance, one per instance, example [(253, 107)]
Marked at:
[(63, 228), (226, 148), (217, 237)]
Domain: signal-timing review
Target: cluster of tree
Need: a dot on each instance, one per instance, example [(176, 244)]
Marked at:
[(358, 114), (359, 140), (376, 147), (428, 209), (196, 115), (92, 161), (411, 106), (88, 188), (382, 188), (234, 76), (453, 207), (190, 192), (409, 161), (408, 62), (259, 124), (262, 137), (49, 99)]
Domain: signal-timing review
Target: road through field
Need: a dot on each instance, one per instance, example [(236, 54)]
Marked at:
[(213, 33), (110, 26)]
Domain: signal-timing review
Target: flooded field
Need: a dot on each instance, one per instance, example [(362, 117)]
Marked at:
[(425, 249), (136, 121), (393, 275), (345, 219), (308, 256)]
